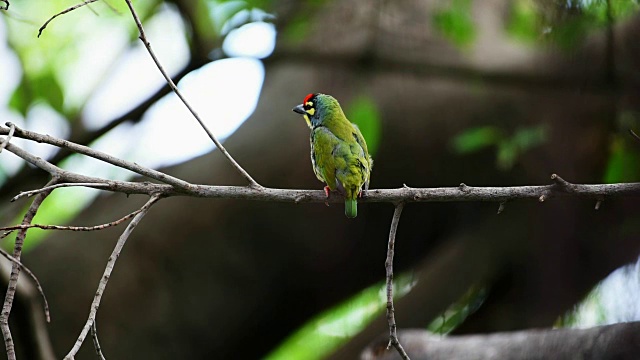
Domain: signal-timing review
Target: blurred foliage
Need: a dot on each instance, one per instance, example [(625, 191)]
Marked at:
[(524, 23), (299, 27), (457, 312), (364, 113), (47, 60), (565, 23), (455, 22), (327, 331), (508, 148), (623, 160)]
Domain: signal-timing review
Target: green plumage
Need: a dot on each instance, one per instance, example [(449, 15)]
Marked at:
[(338, 150)]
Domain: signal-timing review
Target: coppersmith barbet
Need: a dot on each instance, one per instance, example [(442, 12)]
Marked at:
[(339, 153)]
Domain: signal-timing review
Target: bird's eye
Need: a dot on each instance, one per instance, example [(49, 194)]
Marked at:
[(308, 104)]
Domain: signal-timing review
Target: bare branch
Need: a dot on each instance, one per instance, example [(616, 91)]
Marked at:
[(12, 129), (15, 272), (62, 13), (96, 343), (393, 336), (635, 136), (81, 149), (617, 341), (33, 192), (173, 86), (405, 194), (73, 228), (107, 274), (34, 278)]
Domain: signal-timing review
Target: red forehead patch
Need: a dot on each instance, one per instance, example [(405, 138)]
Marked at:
[(306, 98)]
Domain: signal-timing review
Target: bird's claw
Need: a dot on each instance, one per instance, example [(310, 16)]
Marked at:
[(326, 191)]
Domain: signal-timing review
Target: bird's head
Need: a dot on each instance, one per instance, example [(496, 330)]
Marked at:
[(315, 108)]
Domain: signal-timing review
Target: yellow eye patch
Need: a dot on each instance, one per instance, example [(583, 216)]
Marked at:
[(311, 111), (308, 103)]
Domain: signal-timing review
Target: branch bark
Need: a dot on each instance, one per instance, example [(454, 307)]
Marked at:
[(618, 341), (393, 337), (15, 271)]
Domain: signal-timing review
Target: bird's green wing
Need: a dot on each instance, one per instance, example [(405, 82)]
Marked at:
[(323, 147)]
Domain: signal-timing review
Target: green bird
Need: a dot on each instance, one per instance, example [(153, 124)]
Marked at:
[(339, 153)]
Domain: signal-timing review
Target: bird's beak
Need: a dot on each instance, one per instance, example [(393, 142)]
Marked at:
[(299, 109)]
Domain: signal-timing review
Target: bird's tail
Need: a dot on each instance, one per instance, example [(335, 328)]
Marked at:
[(351, 208)]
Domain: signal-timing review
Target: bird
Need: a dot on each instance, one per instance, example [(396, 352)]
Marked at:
[(339, 153)]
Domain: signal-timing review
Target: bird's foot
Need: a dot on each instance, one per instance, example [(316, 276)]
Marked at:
[(326, 191)]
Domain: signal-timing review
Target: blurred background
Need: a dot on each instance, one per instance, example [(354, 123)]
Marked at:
[(489, 93)]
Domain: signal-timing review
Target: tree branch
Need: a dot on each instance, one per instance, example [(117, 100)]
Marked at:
[(73, 228), (35, 280), (62, 13), (33, 192), (5, 142), (15, 272), (107, 274), (96, 343), (173, 86), (81, 149), (405, 194), (618, 341), (393, 337)]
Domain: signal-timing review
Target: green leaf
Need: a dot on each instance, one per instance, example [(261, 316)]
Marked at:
[(624, 163), (530, 137), (21, 98), (457, 312), (455, 23), (324, 333), (477, 138), (524, 22), (364, 113), (48, 89)]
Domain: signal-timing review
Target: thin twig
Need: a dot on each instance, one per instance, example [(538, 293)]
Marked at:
[(15, 272), (173, 86), (107, 274), (36, 191), (35, 280), (634, 135), (12, 129), (62, 13), (73, 228), (96, 343), (84, 150), (391, 319)]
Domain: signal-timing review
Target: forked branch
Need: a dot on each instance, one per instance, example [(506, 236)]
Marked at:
[(391, 319), (143, 38)]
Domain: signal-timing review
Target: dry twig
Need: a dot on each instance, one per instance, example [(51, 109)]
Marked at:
[(95, 304), (12, 129), (391, 319), (96, 343), (62, 13), (143, 38), (15, 272), (33, 192), (35, 280), (72, 228)]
